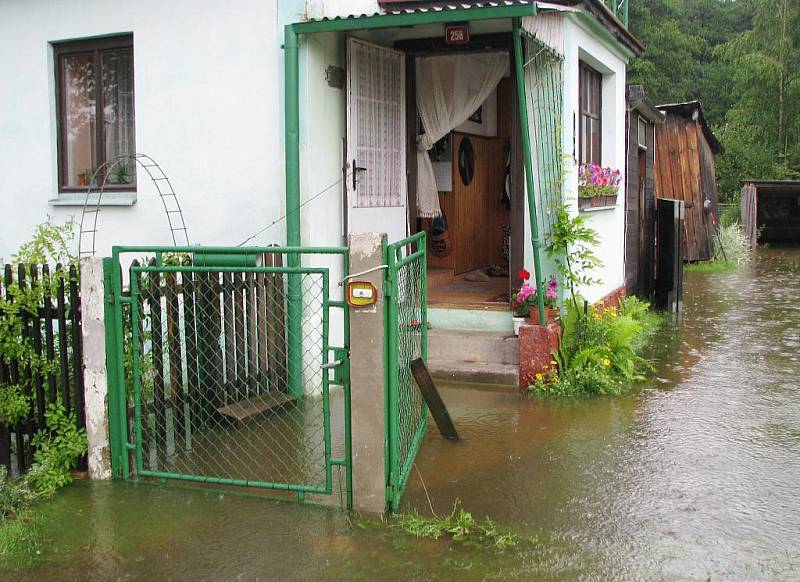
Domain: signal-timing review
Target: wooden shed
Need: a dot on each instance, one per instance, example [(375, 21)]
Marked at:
[(685, 150), (640, 200), (771, 211)]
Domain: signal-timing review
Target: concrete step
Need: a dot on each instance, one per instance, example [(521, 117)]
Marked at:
[(476, 373), (473, 346)]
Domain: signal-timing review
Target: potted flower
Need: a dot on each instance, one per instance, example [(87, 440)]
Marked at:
[(522, 299), (550, 303), (551, 299), (597, 186)]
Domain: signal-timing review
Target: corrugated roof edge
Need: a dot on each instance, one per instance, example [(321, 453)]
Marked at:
[(595, 8)]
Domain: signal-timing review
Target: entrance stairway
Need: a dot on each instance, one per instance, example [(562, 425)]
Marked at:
[(482, 357)]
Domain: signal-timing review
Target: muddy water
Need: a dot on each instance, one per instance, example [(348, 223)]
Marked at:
[(695, 474)]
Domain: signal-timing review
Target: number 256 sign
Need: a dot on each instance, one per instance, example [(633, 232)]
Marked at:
[(456, 34)]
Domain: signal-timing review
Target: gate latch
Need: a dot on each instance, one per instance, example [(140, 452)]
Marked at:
[(340, 366)]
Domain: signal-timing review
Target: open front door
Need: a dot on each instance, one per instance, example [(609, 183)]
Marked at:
[(376, 164)]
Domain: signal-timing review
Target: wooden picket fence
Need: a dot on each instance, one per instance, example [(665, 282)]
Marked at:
[(55, 331)]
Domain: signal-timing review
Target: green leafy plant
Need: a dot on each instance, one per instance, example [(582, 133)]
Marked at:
[(50, 243), (460, 526), (599, 351), (58, 448), (571, 243), (16, 495), (59, 445), (732, 246)]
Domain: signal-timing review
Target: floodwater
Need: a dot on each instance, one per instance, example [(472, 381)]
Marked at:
[(696, 474)]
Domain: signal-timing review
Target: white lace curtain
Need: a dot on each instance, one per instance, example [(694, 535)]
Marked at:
[(449, 89)]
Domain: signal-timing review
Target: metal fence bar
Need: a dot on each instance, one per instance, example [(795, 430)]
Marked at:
[(211, 364), (406, 339)]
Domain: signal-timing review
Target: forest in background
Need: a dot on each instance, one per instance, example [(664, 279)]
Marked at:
[(741, 60)]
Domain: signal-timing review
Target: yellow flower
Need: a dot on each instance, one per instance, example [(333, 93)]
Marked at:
[(606, 362), (553, 362), (539, 377)]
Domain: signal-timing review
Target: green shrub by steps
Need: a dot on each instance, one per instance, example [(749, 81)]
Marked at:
[(599, 351)]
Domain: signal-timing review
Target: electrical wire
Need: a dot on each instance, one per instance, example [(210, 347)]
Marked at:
[(277, 220)]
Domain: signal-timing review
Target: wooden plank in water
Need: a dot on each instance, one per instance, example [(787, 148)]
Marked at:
[(256, 405), (434, 400)]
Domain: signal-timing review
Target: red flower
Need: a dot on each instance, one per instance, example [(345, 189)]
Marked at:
[(523, 275)]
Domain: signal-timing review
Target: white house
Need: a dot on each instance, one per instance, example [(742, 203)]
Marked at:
[(205, 92)]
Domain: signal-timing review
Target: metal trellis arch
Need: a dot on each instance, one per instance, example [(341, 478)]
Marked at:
[(169, 199)]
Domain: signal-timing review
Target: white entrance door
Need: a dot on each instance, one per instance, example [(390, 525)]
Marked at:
[(376, 127)]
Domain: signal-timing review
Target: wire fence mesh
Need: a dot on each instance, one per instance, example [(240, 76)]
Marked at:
[(208, 364), (406, 334)]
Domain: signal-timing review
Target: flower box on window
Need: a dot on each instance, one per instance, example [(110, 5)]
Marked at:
[(597, 186), (585, 202)]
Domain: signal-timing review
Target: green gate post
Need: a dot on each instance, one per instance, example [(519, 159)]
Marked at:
[(115, 362), (522, 98)]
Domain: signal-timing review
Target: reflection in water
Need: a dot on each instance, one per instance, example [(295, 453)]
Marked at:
[(696, 474)]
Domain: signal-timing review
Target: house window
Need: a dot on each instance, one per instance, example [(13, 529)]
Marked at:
[(94, 93), (591, 83)]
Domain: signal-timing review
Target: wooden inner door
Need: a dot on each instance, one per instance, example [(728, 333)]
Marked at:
[(474, 210)]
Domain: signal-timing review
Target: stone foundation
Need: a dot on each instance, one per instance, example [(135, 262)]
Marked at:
[(536, 342), (613, 298)]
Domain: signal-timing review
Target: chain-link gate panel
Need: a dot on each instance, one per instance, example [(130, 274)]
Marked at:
[(229, 374), (406, 334)]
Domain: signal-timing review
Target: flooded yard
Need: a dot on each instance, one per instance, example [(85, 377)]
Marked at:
[(694, 475)]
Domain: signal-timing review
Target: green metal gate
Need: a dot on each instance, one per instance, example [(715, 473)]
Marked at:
[(406, 339), (221, 369)]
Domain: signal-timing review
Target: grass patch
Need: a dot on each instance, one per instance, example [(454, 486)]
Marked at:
[(461, 527), (709, 267), (20, 541)]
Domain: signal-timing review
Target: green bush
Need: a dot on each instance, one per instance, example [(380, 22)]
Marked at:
[(599, 350), (731, 246), (58, 449), (732, 214), (16, 495)]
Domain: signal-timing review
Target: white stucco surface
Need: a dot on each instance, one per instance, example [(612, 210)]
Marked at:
[(579, 43), (207, 109)]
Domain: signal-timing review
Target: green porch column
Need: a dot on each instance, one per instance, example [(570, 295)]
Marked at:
[(522, 99), (294, 309)]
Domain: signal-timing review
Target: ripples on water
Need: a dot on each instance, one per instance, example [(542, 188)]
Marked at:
[(696, 474)]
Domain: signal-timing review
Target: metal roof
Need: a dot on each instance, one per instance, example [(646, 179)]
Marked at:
[(440, 11), (416, 7), (407, 6)]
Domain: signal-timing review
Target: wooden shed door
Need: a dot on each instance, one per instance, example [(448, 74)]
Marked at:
[(376, 157)]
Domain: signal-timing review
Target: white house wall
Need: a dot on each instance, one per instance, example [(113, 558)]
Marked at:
[(579, 43), (207, 109)]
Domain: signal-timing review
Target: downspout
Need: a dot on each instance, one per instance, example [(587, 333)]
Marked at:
[(294, 308), (522, 100)]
